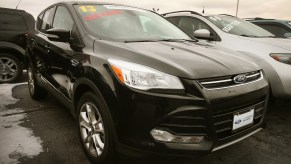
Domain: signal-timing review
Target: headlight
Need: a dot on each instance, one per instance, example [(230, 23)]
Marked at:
[(283, 58), (142, 77)]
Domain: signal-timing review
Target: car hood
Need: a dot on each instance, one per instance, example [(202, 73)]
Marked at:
[(182, 59), (283, 43)]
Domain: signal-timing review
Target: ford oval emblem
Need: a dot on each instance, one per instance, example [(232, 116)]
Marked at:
[(240, 79), (238, 121)]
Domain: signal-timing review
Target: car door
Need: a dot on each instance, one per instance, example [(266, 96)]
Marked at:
[(63, 55), (39, 41)]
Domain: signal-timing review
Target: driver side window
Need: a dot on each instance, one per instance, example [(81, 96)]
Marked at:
[(189, 25), (63, 19)]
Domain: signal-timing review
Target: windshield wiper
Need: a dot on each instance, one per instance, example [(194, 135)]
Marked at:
[(178, 40), (252, 36), (274, 37), (162, 40), (133, 41)]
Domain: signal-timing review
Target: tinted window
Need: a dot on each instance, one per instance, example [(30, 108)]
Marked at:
[(174, 20), (124, 23), (10, 22), (276, 30), (46, 20), (63, 19), (189, 25)]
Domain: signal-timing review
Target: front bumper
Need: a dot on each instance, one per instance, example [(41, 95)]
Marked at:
[(187, 114)]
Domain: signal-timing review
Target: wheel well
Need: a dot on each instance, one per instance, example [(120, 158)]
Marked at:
[(15, 53), (80, 90)]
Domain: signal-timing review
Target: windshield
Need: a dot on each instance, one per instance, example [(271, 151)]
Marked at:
[(236, 26), (124, 23)]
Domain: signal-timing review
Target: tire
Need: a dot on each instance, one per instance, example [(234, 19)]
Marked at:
[(10, 68), (36, 91), (96, 129)]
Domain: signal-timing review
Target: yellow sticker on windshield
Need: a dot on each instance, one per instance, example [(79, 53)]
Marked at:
[(86, 9)]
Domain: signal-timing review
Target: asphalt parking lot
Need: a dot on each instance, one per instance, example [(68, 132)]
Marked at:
[(45, 132)]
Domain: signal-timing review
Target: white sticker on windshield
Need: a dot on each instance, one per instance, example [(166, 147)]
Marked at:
[(123, 8), (215, 18), (230, 26), (289, 23)]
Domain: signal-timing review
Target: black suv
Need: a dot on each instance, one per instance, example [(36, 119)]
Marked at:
[(14, 24), (280, 28), (137, 83)]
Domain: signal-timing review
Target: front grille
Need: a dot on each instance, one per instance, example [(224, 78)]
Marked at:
[(224, 122), (189, 122), (228, 81)]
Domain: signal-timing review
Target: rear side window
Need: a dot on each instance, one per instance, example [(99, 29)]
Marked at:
[(46, 20), (11, 22)]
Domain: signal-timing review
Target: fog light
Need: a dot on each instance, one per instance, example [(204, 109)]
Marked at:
[(164, 136)]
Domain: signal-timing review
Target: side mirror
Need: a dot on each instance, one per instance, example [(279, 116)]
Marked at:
[(287, 35), (202, 34), (59, 34)]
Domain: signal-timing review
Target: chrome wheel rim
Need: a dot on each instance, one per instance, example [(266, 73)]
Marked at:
[(30, 80), (92, 130), (8, 69)]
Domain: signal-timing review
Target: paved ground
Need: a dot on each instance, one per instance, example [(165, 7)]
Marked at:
[(52, 137)]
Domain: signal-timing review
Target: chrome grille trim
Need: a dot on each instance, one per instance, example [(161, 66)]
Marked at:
[(237, 140), (253, 75), (214, 82), (259, 76)]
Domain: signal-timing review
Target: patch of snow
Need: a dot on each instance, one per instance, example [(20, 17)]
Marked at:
[(15, 141)]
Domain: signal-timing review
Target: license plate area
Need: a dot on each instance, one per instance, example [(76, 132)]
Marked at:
[(243, 119)]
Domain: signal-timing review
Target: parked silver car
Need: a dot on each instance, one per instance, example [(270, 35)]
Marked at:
[(271, 53)]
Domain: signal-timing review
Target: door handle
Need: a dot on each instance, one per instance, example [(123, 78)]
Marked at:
[(47, 47), (74, 62)]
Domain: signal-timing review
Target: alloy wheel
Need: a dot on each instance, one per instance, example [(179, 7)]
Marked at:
[(92, 129), (8, 69)]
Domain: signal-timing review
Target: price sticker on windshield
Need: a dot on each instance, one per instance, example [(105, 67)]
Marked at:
[(230, 26), (86, 9)]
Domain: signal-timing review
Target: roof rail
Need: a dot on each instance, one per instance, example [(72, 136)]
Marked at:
[(257, 18), (227, 15), (189, 11)]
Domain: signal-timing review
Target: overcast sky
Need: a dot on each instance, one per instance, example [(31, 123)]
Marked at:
[(279, 9)]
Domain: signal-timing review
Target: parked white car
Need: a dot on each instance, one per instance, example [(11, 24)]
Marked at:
[(271, 53)]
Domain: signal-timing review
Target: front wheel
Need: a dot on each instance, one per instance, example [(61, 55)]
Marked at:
[(96, 129)]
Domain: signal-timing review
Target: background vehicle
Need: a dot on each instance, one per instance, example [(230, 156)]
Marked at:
[(271, 53), (14, 24), (137, 83), (279, 28)]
